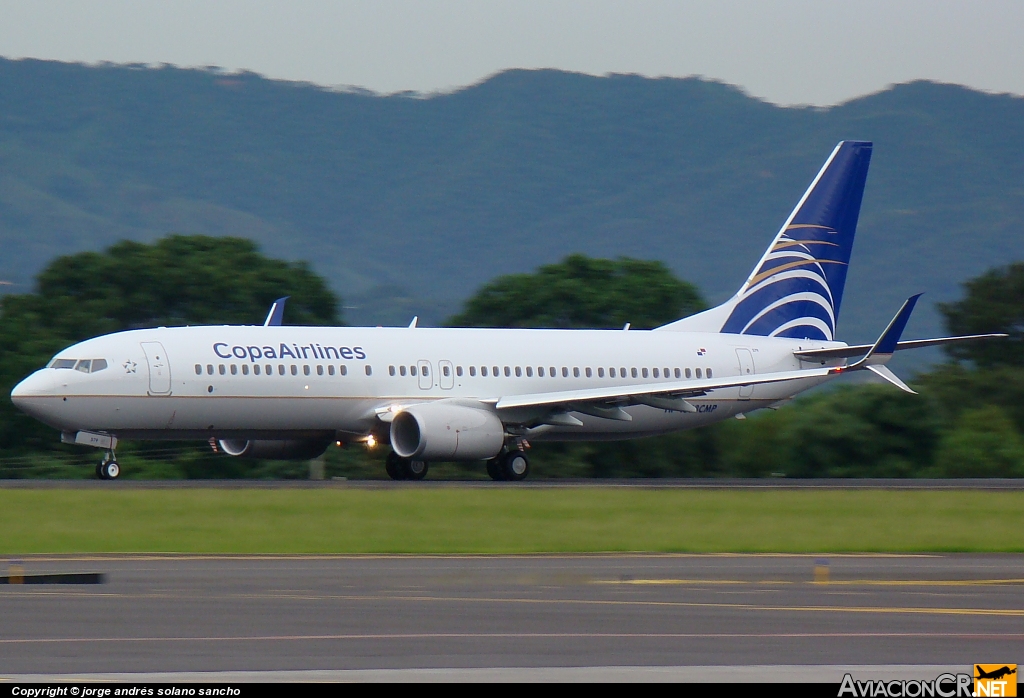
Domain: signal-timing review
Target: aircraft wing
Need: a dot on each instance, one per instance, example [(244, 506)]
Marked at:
[(861, 349), (662, 389)]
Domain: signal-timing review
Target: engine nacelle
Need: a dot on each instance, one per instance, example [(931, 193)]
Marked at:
[(438, 431), (290, 449)]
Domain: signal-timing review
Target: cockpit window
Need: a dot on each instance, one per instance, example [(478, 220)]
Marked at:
[(83, 365)]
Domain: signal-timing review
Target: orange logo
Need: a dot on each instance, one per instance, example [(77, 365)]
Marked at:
[(995, 680)]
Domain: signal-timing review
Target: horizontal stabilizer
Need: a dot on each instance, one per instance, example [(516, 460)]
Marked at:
[(861, 349), (884, 372)]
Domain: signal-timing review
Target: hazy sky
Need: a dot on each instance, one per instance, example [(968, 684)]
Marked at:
[(787, 51)]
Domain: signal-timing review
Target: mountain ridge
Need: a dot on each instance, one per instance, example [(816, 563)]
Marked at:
[(406, 204)]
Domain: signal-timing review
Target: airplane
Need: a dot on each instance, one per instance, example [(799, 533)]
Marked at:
[(472, 394)]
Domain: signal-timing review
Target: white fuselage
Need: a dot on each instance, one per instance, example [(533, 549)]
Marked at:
[(294, 382)]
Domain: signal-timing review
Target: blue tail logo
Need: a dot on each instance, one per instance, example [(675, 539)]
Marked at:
[(796, 288)]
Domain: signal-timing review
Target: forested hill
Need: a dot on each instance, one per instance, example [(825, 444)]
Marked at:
[(408, 203)]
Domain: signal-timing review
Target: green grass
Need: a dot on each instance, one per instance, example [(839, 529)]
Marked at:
[(506, 520)]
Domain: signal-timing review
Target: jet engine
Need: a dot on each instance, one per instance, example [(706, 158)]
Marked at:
[(439, 431), (290, 449)]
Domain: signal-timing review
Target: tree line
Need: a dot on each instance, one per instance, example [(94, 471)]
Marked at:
[(967, 421)]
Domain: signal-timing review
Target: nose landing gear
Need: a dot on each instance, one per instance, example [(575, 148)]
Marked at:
[(108, 469)]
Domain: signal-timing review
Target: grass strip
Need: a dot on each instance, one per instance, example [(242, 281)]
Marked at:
[(506, 520)]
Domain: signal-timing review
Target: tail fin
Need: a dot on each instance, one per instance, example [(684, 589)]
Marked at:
[(797, 287)]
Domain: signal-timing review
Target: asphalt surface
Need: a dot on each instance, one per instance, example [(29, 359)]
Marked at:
[(367, 616), (640, 483)]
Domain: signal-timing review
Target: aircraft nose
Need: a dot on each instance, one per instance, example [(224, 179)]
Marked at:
[(39, 383)]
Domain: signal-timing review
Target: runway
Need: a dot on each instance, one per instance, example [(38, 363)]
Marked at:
[(373, 615)]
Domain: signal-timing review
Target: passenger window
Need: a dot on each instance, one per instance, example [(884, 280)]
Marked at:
[(343, 370), (305, 369), (269, 370), (666, 373), (654, 373), (677, 373), (199, 370), (644, 372), (687, 373), (412, 370), (611, 372), (589, 372), (256, 369), (320, 370), (483, 371), (369, 371), (519, 372), (565, 372), (446, 371), (494, 371), (401, 370), (540, 371), (508, 372), (245, 369), (707, 372), (632, 372), (84, 365), (698, 373), (622, 372), (220, 369), (529, 371), (458, 371), (280, 369), (209, 369), (330, 370), (576, 371), (234, 369), (391, 370), (600, 372), (426, 371), (552, 372), (295, 370), (472, 370), (98, 365)]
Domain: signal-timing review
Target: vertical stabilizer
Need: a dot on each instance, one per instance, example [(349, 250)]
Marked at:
[(796, 288)]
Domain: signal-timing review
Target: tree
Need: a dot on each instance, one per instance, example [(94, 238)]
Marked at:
[(177, 280), (583, 292), (994, 303)]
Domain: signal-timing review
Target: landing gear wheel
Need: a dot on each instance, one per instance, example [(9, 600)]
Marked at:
[(395, 467), (416, 469), (515, 466), (494, 469), (108, 470)]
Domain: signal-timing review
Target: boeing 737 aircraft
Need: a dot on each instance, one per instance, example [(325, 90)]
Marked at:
[(277, 391)]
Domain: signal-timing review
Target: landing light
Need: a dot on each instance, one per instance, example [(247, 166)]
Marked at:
[(371, 442)]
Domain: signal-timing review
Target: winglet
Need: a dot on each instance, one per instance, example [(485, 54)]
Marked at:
[(276, 315), (882, 350)]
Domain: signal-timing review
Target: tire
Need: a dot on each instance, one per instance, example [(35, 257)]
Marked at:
[(99, 472), (494, 469), (416, 469), (515, 466), (394, 466), (111, 470)]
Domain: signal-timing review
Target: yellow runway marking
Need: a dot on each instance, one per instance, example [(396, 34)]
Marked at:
[(911, 610), (847, 582)]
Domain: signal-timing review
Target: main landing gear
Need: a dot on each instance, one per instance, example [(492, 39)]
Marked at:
[(512, 465), (108, 469), (399, 468)]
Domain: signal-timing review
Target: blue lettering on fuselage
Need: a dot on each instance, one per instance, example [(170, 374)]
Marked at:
[(254, 353), (706, 408)]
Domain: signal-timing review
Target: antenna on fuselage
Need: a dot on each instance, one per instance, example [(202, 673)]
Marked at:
[(415, 319), (625, 328), (276, 315)]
